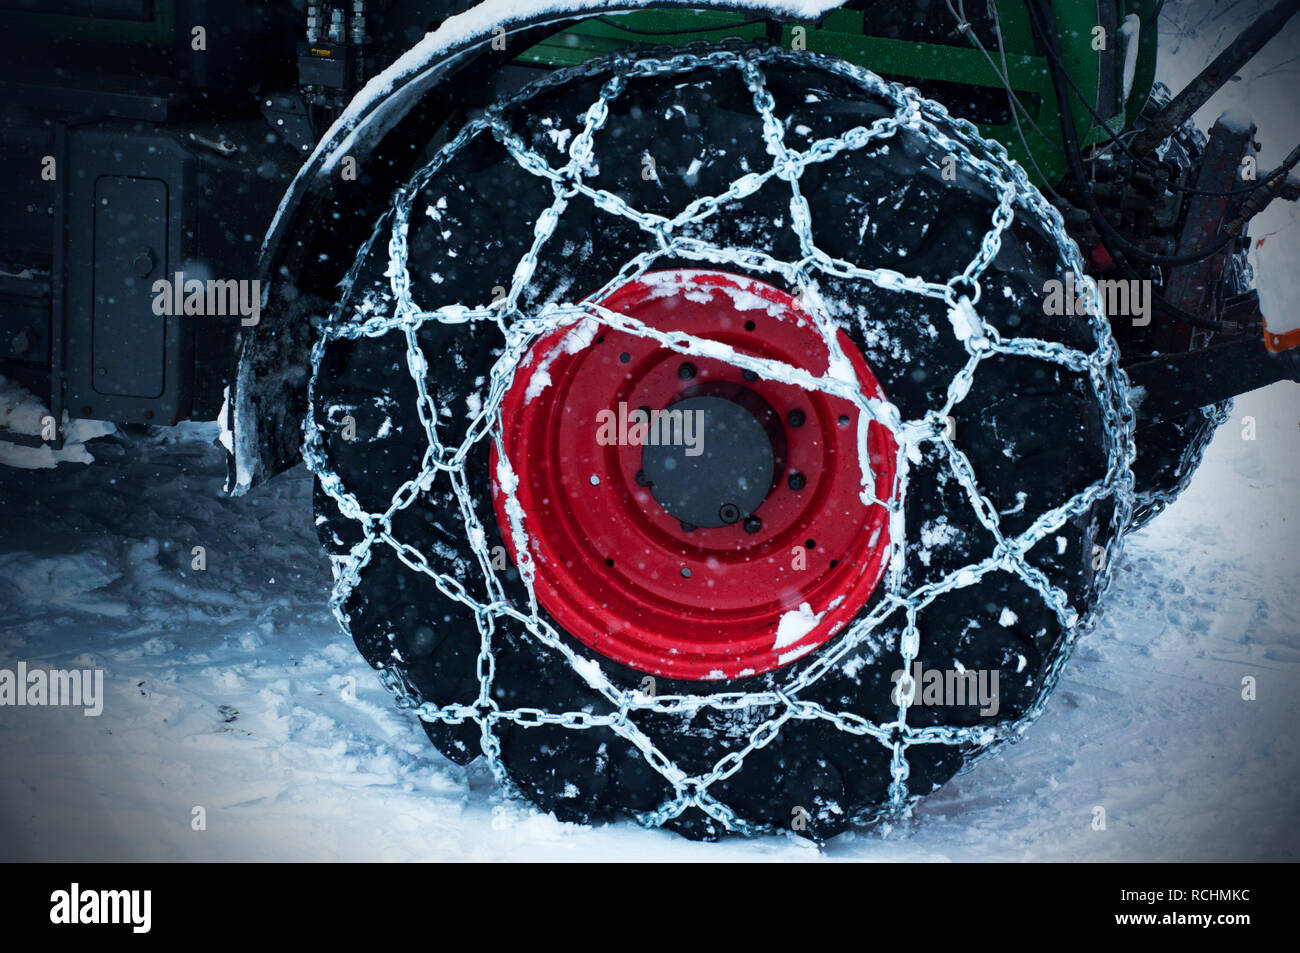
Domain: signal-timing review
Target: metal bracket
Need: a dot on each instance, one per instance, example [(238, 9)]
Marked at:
[(1173, 385)]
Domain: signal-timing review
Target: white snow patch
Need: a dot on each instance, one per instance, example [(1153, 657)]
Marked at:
[(1237, 118), (538, 382), (580, 336), (1129, 31), (1276, 233), (589, 669), (787, 657), (965, 322), (560, 137), (935, 532), (795, 624), (226, 437), (21, 412)]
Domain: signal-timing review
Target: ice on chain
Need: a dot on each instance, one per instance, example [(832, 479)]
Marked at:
[(961, 295)]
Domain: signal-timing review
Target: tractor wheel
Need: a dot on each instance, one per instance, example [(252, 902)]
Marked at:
[(688, 415)]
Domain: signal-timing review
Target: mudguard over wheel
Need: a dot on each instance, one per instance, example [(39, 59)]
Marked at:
[(691, 432)]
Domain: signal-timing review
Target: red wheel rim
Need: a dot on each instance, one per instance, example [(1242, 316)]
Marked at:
[(627, 577)]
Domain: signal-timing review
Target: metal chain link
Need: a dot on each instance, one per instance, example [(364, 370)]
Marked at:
[(1016, 197)]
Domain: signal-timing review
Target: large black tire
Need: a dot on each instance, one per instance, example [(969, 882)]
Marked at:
[(1169, 453), (1035, 434)]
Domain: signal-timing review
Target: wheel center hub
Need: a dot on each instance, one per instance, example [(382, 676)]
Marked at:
[(724, 454)]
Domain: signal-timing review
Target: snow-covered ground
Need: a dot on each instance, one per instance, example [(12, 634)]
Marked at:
[(232, 689)]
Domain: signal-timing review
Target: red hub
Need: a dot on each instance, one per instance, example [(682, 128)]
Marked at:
[(687, 518)]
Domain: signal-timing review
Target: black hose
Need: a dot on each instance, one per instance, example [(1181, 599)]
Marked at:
[(1287, 165), (1115, 243), (1112, 239)]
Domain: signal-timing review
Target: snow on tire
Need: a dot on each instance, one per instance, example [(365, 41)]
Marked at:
[(911, 485)]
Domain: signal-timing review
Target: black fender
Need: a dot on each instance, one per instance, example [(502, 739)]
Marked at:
[(323, 218)]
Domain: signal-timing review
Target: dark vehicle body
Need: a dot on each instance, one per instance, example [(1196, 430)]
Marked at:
[(150, 141)]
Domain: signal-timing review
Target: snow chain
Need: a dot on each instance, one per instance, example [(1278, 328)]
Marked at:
[(961, 295)]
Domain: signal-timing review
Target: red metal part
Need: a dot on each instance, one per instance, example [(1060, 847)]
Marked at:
[(625, 577), (1193, 287)]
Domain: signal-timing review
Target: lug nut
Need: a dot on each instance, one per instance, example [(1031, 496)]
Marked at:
[(687, 527), (686, 371), (796, 481), (642, 479), (749, 375), (752, 524), (796, 417), (729, 512)]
